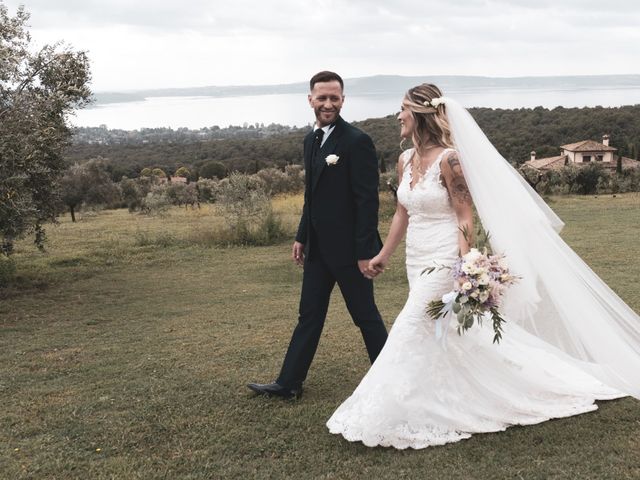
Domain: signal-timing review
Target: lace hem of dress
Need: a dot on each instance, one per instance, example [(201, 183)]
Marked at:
[(404, 436), (400, 440)]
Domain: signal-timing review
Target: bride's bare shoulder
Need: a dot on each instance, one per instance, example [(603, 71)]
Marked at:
[(450, 164)]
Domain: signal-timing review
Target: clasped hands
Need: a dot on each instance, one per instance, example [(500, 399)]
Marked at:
[(369, 268), (373, 267)]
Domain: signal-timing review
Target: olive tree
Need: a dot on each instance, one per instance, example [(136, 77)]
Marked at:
[(88, 184), (38, 90)]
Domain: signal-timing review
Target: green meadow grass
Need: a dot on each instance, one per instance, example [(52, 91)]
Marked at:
[(125, 350)]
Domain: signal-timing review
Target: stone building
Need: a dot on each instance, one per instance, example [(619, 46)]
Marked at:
[(583, 153)]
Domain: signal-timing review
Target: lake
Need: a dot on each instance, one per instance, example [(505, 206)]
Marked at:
[(293, 109)]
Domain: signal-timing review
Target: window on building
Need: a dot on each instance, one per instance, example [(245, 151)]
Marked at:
[(599, 158), (586, 158)]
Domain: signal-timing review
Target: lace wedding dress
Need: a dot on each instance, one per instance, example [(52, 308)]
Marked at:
[(421, 391)]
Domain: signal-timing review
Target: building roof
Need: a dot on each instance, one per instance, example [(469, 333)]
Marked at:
[(588, 146), (549, 163), (173, 180), (555, 163)]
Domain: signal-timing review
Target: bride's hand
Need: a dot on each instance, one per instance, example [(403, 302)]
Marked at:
[(378, 264)]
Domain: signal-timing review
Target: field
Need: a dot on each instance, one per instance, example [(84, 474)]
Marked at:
[(125, 350)]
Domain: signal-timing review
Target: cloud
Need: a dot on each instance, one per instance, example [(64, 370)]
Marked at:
[(198, 42)]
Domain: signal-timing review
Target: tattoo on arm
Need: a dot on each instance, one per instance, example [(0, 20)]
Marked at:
[(457, 185)]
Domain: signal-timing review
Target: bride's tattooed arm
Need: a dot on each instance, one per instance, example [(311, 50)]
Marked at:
[(457, 185), (461, 200)]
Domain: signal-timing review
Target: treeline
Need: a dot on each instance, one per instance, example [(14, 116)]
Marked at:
[(238, 154), (515, 133), (112, 136)]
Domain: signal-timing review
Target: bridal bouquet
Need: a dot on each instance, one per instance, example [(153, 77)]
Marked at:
[(480, 280)]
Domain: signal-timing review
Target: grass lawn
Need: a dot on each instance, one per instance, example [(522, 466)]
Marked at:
[(125, 350)]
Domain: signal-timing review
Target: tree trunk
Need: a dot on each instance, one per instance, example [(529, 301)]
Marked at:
[(73, 215)]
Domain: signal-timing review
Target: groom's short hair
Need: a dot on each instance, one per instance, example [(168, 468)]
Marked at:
[(326, 76)]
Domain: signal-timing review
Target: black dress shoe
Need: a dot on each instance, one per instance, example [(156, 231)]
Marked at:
[(276, 390)]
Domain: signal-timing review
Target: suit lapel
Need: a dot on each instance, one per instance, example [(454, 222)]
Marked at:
[(328, 147), (308, 161)]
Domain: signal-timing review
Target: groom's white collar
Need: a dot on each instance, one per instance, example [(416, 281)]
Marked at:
[(327, 131), (326, 128)]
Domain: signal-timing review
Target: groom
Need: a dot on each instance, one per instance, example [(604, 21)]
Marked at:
[(337, 235)]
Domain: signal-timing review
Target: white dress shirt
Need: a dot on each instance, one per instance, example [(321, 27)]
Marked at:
[(327, 131)]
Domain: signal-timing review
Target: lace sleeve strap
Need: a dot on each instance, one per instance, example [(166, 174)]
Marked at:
[(406, 158)]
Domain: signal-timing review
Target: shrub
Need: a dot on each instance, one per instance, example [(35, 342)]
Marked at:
[(243, 199), (145, 184), (158, 172), (181, 194), (208, 190), (550, 180), (213, 169), (156, 201), (183, 172), (131, 194), (629, 181), (388, 182), (588, 178), (568, 177), (269, 231), (275, 181), (295, 174), (246, 206)]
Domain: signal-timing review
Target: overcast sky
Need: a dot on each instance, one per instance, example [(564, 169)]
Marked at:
[(136, 44)]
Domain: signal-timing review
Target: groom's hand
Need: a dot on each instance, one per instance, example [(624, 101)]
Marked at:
[(297, 253), (363, 265)]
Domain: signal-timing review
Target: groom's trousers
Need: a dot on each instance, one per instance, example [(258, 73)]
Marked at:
[(318, 281)]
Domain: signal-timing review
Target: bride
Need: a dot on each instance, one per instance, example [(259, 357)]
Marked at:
[(568, 341)]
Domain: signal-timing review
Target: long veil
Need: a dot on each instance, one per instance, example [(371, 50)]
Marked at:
[(559, 299)]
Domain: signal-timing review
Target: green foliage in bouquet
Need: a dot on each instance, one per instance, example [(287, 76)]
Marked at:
[(480, 279)]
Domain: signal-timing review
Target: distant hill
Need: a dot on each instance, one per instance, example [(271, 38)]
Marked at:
[(388, 85)]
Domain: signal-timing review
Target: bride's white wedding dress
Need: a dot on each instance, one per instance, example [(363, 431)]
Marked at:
[(421, 391)]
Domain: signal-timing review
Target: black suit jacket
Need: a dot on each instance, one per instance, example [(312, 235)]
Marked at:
[(340, 214)]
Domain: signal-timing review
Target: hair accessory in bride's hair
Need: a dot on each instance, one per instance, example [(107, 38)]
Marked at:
[(433, 102)]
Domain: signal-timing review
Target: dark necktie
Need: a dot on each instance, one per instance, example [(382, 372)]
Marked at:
[(317, 141)]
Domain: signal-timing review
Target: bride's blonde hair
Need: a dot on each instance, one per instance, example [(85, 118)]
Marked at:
[(431, 122)]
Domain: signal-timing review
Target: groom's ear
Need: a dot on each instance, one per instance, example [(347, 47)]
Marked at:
[(310, 98)]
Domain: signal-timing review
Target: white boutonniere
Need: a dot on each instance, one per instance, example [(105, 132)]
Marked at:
[(332, 159)]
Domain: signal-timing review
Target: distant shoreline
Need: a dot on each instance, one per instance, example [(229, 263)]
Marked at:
[(368, 99), (386, 85)]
